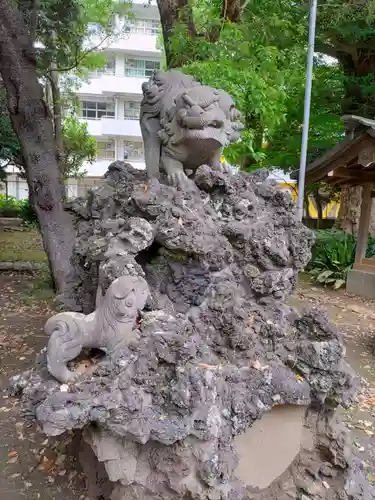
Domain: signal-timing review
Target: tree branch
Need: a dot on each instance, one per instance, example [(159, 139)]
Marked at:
[(84, 54)]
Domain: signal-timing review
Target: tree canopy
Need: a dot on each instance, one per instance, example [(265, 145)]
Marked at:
[(260, 59)]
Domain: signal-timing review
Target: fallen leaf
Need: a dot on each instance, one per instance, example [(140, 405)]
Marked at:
[(256, 364)]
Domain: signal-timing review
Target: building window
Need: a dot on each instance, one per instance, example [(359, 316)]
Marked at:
[(142, 26), (152, 27), (133, 150), (140, 67), (106, 150), (93, 110), (132, 110)]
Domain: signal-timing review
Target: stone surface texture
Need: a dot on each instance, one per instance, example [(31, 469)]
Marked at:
[(216, 345)]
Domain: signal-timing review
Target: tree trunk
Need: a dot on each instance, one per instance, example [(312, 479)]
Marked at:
[(171, 13), (32, 123), (57, 119), (57, 126), (350, 208)]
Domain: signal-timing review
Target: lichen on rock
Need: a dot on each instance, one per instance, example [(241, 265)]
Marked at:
[(217, 347)]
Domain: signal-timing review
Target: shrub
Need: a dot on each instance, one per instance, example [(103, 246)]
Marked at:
[(11, 207), (27, 213), (333, 256)]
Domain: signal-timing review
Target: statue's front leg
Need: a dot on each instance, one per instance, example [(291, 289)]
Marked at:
[(175, 173), (150, 127)]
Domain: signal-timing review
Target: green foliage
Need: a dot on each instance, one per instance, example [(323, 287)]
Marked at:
[(28, 214), (11, 207), (347, 31), (65, 25), (261, 62), (9, 144), (78, 147), (326, 127), (333, 256), (257, 76)]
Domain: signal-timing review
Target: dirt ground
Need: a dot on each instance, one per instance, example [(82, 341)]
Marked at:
[(355, 318), (35, 468), (31, 466)]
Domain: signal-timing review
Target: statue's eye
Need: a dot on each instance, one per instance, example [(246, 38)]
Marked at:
[(129, 302)]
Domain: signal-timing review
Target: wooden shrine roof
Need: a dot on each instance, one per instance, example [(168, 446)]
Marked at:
[(351, 161)]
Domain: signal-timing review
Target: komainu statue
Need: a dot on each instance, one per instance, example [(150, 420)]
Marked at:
[(184, 125), (109, 326)]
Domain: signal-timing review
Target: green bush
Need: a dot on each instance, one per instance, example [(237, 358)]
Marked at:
[(11, 207), (27, 213), (333, 256)]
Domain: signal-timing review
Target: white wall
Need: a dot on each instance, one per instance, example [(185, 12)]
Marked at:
[(18, 188)]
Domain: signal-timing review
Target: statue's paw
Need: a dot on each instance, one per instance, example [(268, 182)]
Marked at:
[(181, 181)]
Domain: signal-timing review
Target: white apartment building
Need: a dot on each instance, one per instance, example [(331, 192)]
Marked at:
[(110, 100)]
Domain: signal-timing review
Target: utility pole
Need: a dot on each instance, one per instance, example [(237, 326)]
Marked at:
[(306, 110)]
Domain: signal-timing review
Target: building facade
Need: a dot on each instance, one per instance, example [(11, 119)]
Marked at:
[(110, 100)]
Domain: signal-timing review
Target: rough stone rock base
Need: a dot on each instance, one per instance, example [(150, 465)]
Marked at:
[(97, 483), (288, 454), (219, 390)]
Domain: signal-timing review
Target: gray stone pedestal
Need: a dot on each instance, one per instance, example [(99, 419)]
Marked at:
[(361, 282)]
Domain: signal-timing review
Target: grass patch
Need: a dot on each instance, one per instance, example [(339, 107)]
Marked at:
[(16, 246)]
